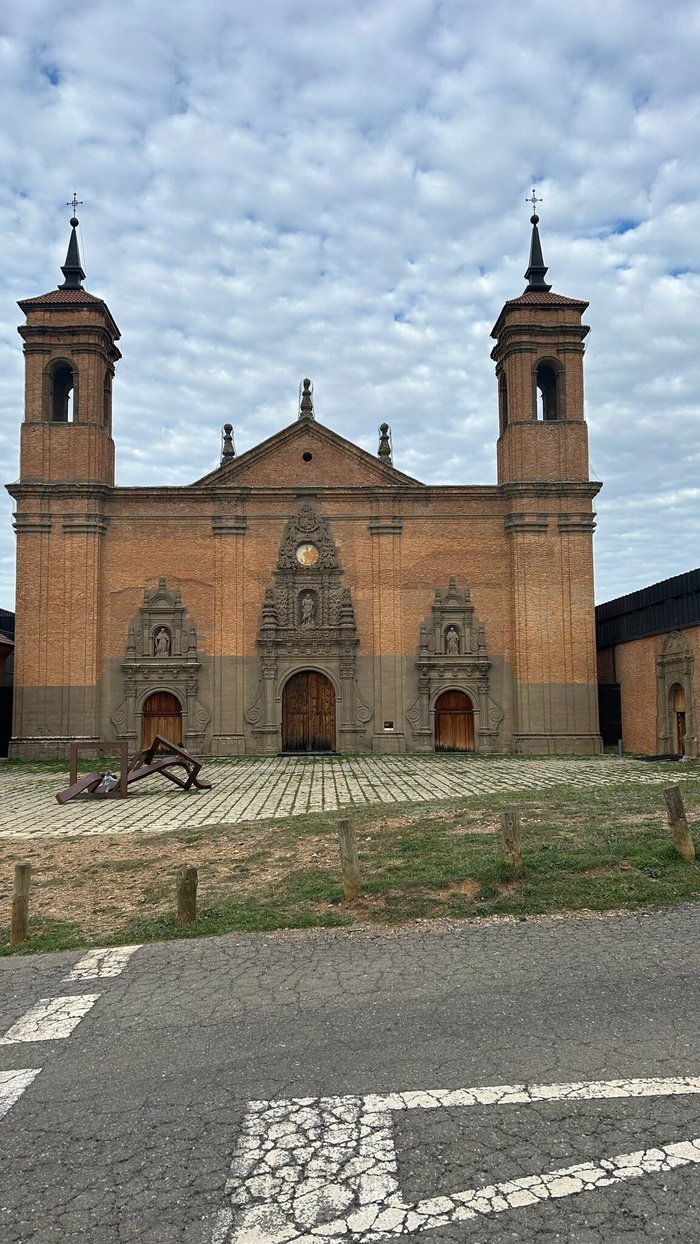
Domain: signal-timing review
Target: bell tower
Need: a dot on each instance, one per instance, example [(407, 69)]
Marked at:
[(539, 369), (70, 352), (62, 510), (548, 517)]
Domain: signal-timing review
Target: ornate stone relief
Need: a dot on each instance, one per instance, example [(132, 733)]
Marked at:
[(452, 654), (161, 655), (675, 667), (307, 620)]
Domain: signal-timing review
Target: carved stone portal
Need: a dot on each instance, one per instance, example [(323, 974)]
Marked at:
[(674, 668), (452, 655), (161, 655), (308, 622)]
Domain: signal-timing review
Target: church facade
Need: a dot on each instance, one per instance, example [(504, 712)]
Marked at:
[(306, 596)]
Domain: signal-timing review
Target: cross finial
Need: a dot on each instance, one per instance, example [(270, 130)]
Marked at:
[(534, 200), (76, 202)]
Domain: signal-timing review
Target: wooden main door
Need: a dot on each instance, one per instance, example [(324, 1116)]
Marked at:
[(454, 722), (308, 713), (162, 715)]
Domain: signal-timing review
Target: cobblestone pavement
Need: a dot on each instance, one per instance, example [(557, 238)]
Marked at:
[(280, 786)]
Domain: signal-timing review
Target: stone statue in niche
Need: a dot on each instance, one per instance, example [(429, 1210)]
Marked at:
[(162, 643), (452, 642), (308, 611)]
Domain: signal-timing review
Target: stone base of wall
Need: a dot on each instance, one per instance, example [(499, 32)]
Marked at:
[(557, 745), (47, 747), (228, 745)]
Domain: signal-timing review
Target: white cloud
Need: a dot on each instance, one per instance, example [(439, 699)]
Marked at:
[(286, 189)]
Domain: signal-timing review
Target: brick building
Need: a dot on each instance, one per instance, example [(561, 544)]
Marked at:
[(305, 595), (648, 642)]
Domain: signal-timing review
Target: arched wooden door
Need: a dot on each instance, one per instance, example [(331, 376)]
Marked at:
[(454, 722), (308, 713), (678, 706), (162, 715)]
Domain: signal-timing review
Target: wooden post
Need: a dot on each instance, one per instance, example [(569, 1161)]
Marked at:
[(678, 824), (186, 894), (352, 881), (510, 832), (20, 904)]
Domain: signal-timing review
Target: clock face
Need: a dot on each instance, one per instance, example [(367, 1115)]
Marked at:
[(307, 554)]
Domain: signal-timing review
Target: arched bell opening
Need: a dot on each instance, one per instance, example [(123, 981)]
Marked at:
[(61, 392), (503, 403), (308, 713), (549, 391), (454, 722)]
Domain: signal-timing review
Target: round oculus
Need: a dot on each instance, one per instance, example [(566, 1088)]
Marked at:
[(307, 554)]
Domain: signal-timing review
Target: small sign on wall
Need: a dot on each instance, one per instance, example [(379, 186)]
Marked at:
[(388, 725)]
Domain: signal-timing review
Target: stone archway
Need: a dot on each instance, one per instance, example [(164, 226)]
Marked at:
[(676, 726), (307, 627), (308, 713)]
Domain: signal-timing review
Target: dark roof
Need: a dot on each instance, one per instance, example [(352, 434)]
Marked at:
[(7, 622), (540, 298), (74, 296), (669, 605)]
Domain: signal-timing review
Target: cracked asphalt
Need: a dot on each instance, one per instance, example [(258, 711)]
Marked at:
[(376, 1048)]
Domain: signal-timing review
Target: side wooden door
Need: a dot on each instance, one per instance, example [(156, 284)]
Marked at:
[(161, 715), (454, 722), (308, 713)]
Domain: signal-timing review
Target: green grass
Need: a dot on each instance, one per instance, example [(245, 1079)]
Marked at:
[(598, 848)]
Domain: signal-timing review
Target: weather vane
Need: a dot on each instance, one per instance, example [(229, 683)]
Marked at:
[(534, 200), (76, 202)]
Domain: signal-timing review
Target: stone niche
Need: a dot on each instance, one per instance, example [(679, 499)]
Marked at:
[(161, 655), (307, 622), (452, 655)]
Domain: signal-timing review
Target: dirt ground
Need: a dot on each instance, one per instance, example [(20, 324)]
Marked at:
[(100, 883)]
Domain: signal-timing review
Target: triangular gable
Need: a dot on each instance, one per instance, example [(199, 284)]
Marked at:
[(307, 455)]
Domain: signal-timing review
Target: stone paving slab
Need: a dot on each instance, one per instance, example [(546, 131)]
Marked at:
[(255, 788)]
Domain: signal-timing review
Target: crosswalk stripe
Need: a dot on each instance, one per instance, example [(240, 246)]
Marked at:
[(99, 963), (13, 1084), (51, 1019)]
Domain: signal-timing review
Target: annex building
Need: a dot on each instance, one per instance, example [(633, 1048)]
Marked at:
[(305, 596), (648, 643)]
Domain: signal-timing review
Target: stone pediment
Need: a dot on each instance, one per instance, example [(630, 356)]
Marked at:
[(307, 455)]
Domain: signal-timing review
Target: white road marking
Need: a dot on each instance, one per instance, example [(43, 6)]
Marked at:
[(51, 1019), (100, 963), (309, 1170), (523, 1094), (13, 1084)]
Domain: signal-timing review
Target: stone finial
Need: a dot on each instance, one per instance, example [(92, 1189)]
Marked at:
[(228, 449), (423, 641), (384, 451), (131, 643), (306, 405)]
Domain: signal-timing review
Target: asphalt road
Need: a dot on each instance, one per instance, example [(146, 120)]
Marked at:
[(387, 1076)]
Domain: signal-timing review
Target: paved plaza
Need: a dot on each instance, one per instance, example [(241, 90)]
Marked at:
[(255, 788)]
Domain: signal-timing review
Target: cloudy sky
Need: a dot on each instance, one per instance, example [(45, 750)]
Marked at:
[(336, 188)]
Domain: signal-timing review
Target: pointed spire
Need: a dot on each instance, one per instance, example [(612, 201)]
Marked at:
[(306, 405), (71, 269), (537, 269)]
